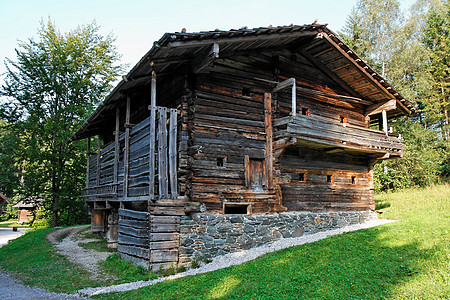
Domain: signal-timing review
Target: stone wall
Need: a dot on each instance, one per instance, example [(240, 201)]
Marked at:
[(205, 236)]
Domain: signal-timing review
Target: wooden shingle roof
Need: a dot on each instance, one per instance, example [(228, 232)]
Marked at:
[(316, 42)]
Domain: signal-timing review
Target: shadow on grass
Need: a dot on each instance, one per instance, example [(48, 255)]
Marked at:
[(357, 265)]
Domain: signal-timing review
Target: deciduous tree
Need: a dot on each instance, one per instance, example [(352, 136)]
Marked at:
[(49, 90)]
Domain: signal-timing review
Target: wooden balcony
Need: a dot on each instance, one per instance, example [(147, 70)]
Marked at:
[(321, 133)]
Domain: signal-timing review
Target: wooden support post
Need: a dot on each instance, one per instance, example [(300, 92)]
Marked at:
[(151, 179), (294, 98), (247, 173), (153, 90), (88, 162), (116, 146), (269, 139), (173, 153), (162, 153), (99, 154), (385, 124), (126, 156)]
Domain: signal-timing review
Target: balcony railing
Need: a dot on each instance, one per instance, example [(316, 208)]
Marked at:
[(340, 135)]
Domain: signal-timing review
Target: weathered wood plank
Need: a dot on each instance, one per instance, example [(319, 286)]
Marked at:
[(129, 240), (157, 237), (164, 256), (140, 215), (269, 139), (155, 228), (134, 223), (135, 232), (137, 261), (134, 251), (164, 245), (173, 154), (165, 219), (126, 158), (152, 146), (162, 153)]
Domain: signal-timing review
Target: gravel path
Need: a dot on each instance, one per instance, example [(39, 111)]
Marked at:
[(87, 258), (236, 258), (11, 289)]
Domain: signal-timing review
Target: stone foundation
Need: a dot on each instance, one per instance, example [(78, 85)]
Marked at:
[(206, 236)]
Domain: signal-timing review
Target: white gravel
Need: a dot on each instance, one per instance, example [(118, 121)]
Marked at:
[(235, 258)]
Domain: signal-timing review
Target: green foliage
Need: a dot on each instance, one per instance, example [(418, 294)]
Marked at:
[(42, 219), (9, 171), (9, 212), (421, 164), (53, 86)]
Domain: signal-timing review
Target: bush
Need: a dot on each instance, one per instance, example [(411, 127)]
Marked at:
[(42, 219), (9, 213)]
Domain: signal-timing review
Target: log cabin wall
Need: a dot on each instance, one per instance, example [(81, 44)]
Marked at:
[(228, 124)]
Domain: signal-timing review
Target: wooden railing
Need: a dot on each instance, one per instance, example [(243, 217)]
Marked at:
[(339, 135), (143, 167)]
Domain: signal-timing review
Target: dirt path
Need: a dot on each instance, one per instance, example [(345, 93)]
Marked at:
[(87, 258)]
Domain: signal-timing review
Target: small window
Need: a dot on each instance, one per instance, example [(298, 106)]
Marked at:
[(343, 119), (236, 209), (329, 178), (246, 92), (305, 111), (220, 160), (353, 180), (301, 177)]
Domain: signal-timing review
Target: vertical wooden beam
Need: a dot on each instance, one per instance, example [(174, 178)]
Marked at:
[(99, 154), (385, 124), (126, 155), (162, 153), (247, 171), (116, 146), (173, 153), (88, 162), (269, 139), (151, 179), (153, 90), (294, 97)]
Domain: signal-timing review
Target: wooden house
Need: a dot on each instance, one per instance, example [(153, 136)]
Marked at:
[(27, 209), (223, 140)]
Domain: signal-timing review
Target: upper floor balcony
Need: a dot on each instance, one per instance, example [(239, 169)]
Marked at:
[(336, 136)]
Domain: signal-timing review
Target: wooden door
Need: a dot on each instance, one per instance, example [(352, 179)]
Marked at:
[(255, 174)]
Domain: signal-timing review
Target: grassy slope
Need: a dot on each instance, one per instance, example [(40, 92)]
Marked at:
[(32, 259), (407, 259)]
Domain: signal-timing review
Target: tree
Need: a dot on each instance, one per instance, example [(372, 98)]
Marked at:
[(9, 172), (437, 42), (52, 87), (371, 29)]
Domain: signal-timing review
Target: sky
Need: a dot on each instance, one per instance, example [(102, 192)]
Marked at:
[(138, 23)]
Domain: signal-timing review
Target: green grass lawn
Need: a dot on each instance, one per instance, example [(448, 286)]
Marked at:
[(408, 259)]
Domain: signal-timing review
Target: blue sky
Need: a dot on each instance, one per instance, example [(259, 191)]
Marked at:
[(137, 23)]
